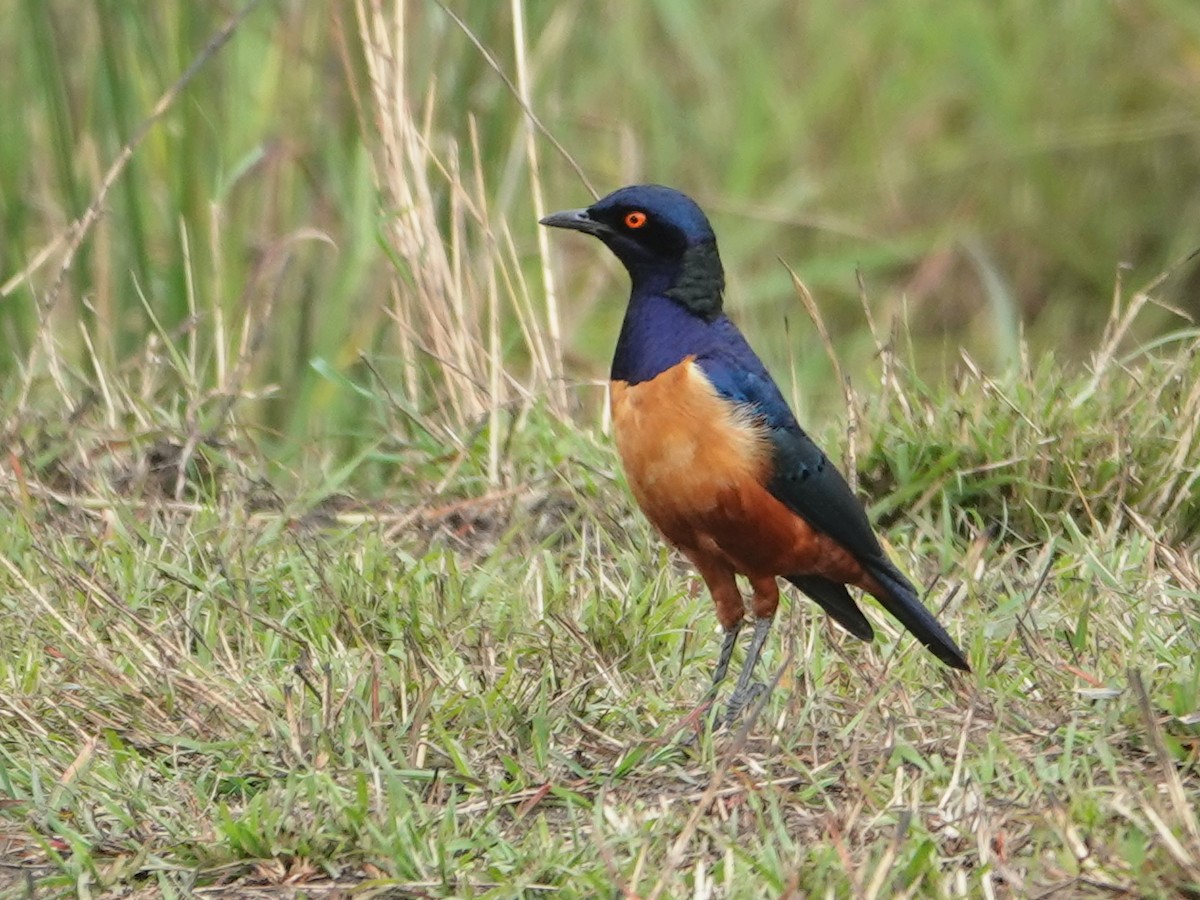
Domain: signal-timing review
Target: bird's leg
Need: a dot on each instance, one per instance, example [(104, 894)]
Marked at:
[(722, 669), (764, 603), (730, 608), (747, 691), (727, 645)]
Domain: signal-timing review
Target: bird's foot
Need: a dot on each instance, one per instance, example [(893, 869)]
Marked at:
[(741, 700)]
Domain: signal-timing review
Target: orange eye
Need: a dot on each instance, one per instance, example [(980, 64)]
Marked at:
[(635, 219)]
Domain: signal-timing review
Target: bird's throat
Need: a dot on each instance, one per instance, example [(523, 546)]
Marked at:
[(658, 333), (670, 315)]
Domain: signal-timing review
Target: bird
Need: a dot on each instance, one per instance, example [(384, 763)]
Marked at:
[(712, 452)]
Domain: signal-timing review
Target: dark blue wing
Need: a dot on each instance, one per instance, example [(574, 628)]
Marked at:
[(804, 479)]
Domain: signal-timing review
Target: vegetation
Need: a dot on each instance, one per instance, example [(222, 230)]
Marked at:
[(318, 572)]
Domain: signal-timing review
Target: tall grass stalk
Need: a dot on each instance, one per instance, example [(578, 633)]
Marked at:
[(455, 277)]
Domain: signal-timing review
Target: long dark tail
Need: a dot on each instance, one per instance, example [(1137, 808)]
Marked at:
[(835, 600), (899, 597)]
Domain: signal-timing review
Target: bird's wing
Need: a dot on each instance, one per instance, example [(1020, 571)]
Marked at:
[(803, 478)]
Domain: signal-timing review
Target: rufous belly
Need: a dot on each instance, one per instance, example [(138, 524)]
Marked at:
[(698, 465)]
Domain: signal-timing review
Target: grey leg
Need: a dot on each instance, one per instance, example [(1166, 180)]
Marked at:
[(727, 645), (747, 691)]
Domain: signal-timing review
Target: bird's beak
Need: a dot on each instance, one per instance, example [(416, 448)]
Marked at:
[(575, 220)]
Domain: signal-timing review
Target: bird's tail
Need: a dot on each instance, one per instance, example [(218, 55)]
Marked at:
[(899, 597), (835, 600)]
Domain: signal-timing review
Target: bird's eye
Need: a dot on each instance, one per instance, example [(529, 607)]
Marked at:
[(635, 219)]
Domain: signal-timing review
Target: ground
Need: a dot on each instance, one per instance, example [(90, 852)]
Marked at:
[(497, 692)]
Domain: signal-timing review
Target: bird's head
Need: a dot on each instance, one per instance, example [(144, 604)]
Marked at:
[(662, 237)]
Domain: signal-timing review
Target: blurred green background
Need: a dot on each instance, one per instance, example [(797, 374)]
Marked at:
[(986, 166)]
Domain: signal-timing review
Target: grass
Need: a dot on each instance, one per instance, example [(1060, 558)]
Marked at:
[(483, 696), (318, 572)]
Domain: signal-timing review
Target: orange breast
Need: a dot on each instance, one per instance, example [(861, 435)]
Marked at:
[(698, 465)]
